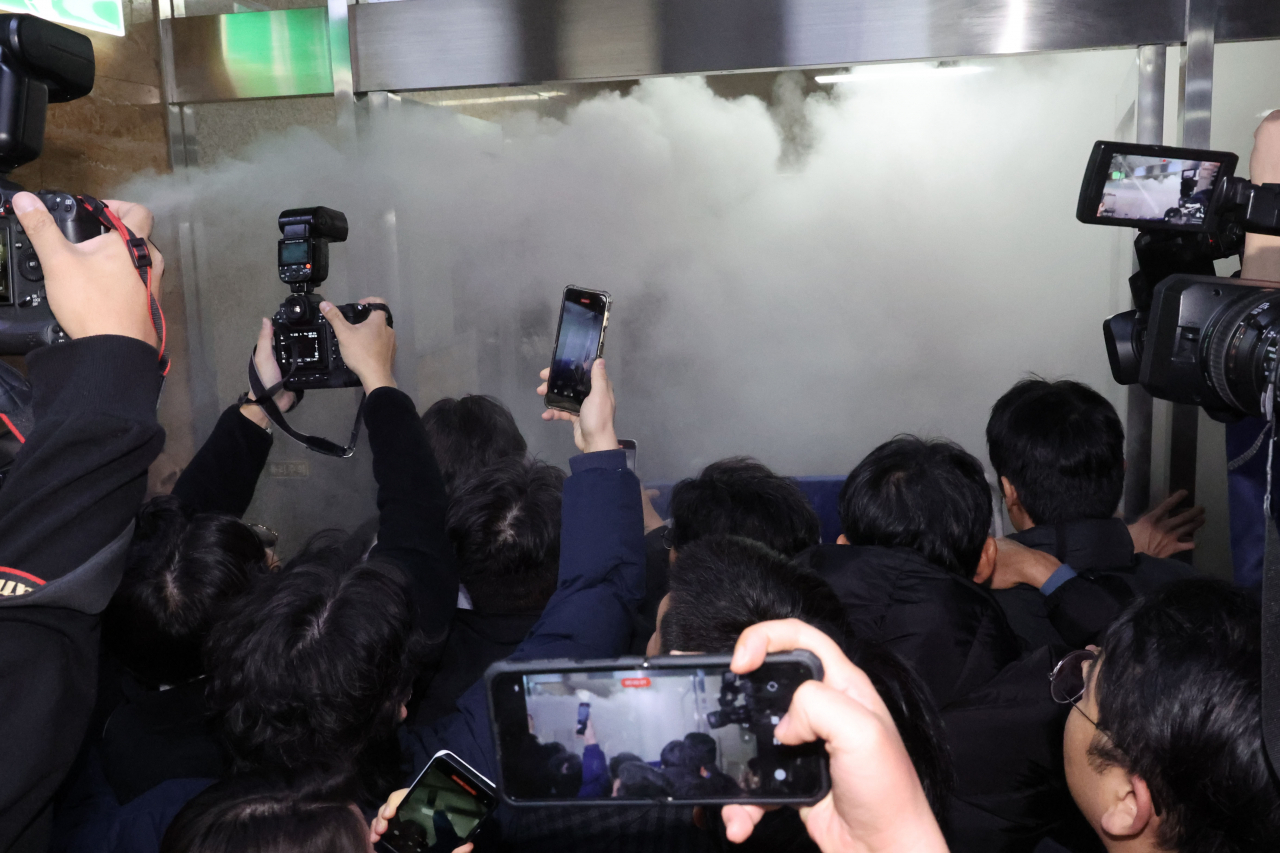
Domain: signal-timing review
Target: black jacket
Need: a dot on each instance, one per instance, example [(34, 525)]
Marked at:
[(475, 641), (153, 735), (1110, 576), (66, 514), (1004, 729)]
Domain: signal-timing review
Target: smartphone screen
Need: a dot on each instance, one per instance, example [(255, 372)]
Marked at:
[(584, 315), (680, 728), (1152, 186), (442, 809), (630, 447)]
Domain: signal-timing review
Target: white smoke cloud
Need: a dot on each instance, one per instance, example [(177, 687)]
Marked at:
[(891, 261)]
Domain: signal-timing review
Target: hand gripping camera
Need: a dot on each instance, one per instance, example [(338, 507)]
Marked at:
[(40, 63), (305, 345)]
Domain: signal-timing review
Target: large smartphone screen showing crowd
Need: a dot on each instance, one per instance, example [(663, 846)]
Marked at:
[(1158, 189), (698, 734)]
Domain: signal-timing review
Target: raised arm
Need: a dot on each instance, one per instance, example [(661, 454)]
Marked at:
[(67, 508), (411, 496)]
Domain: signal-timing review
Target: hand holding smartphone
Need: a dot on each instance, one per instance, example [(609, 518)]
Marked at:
[(443, 809), (584, 317), (668, 729)]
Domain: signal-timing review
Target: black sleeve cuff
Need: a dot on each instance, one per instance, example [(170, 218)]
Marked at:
[(107, 374)]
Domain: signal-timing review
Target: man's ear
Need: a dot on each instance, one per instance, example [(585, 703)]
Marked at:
[(1130, 811), (1017, 512), (1009, 492), (842, 539), (986, 563)]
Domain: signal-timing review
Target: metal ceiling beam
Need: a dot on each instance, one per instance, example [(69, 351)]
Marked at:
[(444, 44)]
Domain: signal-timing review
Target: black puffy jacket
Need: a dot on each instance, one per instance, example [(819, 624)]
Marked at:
[(1004, 729)]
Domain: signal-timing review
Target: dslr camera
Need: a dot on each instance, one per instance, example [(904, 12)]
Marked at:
[(40, 63), (732, 687), (305, 345), (1192, 337)]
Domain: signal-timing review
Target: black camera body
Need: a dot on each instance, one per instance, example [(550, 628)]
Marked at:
[(305, 345), (40, 63), (731, 688)]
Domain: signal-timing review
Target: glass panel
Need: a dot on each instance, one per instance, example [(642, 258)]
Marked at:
[(796, 278)]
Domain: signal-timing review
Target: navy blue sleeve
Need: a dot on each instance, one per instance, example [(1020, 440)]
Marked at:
[(602, 582)]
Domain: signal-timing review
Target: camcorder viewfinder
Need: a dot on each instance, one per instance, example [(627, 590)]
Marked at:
[(1192, 336), (306, 347), (683, 728)]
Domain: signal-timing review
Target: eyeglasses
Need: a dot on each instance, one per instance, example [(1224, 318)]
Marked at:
[(1067, 681), (669, 538)]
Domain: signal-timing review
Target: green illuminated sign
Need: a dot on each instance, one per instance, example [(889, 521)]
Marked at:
[(281, 52), (104, 16)]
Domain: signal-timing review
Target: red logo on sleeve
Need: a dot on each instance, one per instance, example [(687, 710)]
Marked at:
[(16, 582)]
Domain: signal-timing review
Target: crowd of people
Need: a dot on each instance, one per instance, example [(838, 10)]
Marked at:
[(171, 683)]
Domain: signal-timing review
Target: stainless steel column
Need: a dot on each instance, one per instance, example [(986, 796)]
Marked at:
[(1195, 110), (340, 60), (1149, 118)]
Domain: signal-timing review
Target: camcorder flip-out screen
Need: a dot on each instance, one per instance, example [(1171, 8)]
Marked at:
[(1152, 186), (637, 731)]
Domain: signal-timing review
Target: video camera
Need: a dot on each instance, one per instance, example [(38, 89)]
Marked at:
[(305, 345), (1192, 337), (731, 688), (40, 63)]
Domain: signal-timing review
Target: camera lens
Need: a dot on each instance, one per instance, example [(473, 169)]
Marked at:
[(1240, 349), (297, 310)]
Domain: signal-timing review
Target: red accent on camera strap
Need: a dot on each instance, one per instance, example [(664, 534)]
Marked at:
[(141, 256), (22, 439)]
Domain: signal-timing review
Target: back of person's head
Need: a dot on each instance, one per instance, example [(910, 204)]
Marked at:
[(468, 435), (505, 527), (1178, 692), (615, 763), (181, 571), (741, 497), (638, 780), (672, 754), (927, 495), (723, 585), (1061, 446), (566, 774), (309, 671), (248, 815), (699, 751)]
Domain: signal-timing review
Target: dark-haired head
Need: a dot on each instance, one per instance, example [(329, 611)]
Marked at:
[(615, 763), (699, 751), (505, 527), (251, 815), (927, 495), (1176, 697), (182, 569), (310, 671), (469, 434), (637, 780), (672, 754), (566, 774), (741, 497), (723, 585), (1060, 446)]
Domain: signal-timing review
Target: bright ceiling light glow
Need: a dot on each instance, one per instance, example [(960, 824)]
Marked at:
[(896, 71), (502, 99)]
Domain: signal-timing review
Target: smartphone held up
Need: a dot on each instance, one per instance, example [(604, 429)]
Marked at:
[(637, 731), (584, 317)]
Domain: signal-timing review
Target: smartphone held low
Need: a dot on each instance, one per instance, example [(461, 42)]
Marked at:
[(633, 731), (444, 809)]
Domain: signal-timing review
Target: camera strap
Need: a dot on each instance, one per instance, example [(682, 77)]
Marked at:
[(265, 398), (141, 256)]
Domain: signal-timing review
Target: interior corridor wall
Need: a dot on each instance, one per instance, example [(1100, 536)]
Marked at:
[(892, 263)]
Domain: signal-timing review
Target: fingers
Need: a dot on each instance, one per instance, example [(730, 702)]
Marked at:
[(466, 848), (41, 229), (378, 826), (599, 377), (1167, 505), (372, 300), (139, 219), (651, 493), (788, 634), (544, 374), (820, 712), (740, 821), (335, 318), (264, 339)]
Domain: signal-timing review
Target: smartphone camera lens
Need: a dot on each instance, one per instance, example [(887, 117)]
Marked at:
[(780, 775), (772, 687)]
